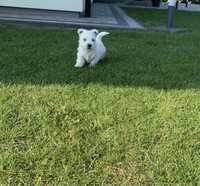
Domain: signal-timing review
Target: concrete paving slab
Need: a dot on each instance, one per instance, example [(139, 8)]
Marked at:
[(103, 15)]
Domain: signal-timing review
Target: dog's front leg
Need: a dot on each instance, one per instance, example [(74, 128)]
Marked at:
[(80, 62)]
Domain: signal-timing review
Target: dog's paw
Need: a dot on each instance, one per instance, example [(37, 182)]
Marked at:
[(91, 65), (78, 66)]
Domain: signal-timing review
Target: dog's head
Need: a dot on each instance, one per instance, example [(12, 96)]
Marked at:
[(87, 38)]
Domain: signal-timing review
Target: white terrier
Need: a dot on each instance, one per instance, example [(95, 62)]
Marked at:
[(91, 48)]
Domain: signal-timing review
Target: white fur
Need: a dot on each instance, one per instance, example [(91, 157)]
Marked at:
[(91, 48)]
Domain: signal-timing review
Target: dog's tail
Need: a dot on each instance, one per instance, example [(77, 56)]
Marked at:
[(102, 34)]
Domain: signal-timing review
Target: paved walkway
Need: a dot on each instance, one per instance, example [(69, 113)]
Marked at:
[(190, 8), (181, 6), (103, 15)]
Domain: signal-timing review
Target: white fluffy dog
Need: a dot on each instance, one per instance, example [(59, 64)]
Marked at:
[(91, 48)]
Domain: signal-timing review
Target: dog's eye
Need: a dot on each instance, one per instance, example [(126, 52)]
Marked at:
[(93, 40), (84, 39)]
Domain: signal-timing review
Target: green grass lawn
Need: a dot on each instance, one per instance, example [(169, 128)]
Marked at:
[(134, 119), (152, 18)]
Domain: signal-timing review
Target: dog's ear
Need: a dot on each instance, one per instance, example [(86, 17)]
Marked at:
[(95, 31), (80, 31)]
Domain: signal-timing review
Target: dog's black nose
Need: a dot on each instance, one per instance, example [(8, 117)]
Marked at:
[(89, 46)]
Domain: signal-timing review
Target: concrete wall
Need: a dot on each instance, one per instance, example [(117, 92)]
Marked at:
[(66, 5)]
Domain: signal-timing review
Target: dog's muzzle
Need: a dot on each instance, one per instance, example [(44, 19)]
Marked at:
[(89, 46)]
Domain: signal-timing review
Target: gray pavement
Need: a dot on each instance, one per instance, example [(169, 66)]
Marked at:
[(103, 15), (181, 7), (190, 8)]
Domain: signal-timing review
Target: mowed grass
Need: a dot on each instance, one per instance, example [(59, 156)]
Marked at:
[(133, 119), (155, 17)]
